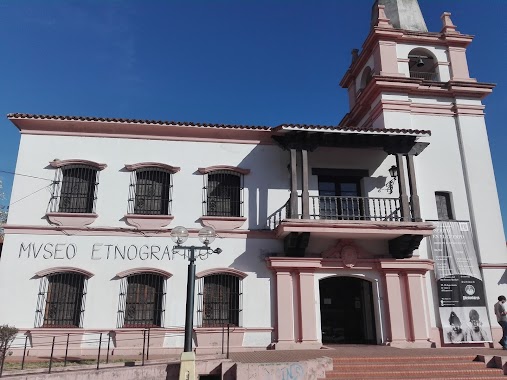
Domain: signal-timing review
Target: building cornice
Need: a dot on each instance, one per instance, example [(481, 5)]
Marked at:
[(415, 87), (177, 131)]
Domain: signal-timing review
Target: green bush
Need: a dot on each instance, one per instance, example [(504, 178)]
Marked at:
[(7, 335)]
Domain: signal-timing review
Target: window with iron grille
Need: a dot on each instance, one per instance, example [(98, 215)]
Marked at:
[(150, 192), (61, 300), (75, 189), (219, 300), (223, 193), (142, 298)]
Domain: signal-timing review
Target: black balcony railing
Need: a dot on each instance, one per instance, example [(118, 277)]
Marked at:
[(424, 75), (355, 208), (344, 208)]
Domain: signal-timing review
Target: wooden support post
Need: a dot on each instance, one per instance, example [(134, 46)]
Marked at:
[(405, 208), (305, 192), (293, 185), (414, 197)]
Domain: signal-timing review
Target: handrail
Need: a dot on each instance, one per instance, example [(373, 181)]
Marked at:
[(355, 208)]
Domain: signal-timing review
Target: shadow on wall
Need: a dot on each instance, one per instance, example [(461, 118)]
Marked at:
[(503, 279), (267, 184)]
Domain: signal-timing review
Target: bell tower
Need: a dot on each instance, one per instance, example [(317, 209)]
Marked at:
[(408, 78), (401, 57)]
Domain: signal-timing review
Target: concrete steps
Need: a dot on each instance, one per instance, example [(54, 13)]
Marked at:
[(412, 367)]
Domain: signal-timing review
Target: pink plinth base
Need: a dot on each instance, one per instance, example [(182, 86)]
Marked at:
[(148, 222), (210, 340), (310, 345), (71, 219), (416, 344), (222, 222)]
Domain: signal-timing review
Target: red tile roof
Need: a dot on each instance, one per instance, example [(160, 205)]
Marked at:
[(130, 121), (325, 128), (279, 128)]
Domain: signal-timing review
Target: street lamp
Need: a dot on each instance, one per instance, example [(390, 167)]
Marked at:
[(393, 172), (206, 236)]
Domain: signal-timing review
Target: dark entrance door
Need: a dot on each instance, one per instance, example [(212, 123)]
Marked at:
[(346, 310), (339, 197)]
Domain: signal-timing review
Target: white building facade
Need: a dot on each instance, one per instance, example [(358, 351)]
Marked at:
[(324, 230)]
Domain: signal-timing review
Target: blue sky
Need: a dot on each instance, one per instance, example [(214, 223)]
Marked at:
[(253, 62)]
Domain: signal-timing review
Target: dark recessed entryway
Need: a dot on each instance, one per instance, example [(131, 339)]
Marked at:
[(346, 311)]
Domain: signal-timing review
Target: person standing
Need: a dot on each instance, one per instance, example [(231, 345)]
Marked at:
[(501, 317)]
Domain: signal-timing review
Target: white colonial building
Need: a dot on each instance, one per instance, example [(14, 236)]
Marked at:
[(325, 231)]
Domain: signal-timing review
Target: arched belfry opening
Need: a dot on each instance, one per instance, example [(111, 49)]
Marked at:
[(347, 311), (366, 77), (422, 64)]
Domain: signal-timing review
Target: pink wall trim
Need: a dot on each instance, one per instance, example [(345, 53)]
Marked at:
[(415, 87), (158, 165), (319, 264), (130, 272), (126, 341), (459, 66), (447, 26), (462, 109), (231, 271), (71, 219), (413, 265), (263, 141), (418, 322), (382, 20), (61, 163), (493, 266), (211, 169), (397, 325), (350, 228), (54, 270), (209, 340), (352, 94), (285, 308), (307, 304), (148, 222), (222, 222), (389, 60), (12, 229), (143, 131)]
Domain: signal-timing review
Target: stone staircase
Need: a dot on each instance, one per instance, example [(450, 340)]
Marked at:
[(412, 367)]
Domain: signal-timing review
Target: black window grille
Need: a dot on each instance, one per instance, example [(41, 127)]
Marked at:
[(150, 192), (61, 300), (75, 189), (223, 194), (219, 300), (444, 209), (142, 298)]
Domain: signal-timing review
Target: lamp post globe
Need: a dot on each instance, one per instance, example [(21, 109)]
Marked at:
[(179, 235), (207, 235)]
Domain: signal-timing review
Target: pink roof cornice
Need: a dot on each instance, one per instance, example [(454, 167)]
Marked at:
[(179, 131)]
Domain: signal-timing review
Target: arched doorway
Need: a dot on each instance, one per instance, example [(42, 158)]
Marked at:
[(346, 311)]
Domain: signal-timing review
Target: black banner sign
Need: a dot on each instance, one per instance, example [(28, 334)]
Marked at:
[(462, 305)]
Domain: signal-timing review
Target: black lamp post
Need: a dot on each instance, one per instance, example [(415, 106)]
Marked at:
[(179, 235)]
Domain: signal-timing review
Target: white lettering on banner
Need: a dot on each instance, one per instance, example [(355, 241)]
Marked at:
[(98, 251)]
